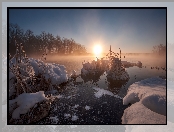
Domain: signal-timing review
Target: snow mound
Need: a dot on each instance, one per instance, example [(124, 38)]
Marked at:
[(51, 74), (100, 92), (74, 118), (139, 114), (25, 101), (55, 72), (87, 107), (148, 99)]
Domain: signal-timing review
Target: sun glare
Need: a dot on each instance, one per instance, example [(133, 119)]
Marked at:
[(97, 49)]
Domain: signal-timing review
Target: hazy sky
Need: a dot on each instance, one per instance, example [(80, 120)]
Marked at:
[(132, 30)]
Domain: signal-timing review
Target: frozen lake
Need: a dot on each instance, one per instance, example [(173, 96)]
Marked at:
[(94, 99)]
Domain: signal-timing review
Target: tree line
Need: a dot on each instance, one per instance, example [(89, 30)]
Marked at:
[(159, 49), (38, 44)]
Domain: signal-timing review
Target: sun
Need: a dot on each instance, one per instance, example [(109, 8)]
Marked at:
[(97, 49)]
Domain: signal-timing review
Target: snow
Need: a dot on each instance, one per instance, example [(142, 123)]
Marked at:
[(148, 99), (87, 107), (100, 92), (54, 119), (59, 96), (67, 115), (139, 114), (69, 97), (76, 106), (74, 118), (55, 72), (25, 101)]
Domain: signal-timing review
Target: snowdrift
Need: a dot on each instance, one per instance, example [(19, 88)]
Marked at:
[(29, 80), (25, 101), (100, 92), (148, 99), (54, 74)]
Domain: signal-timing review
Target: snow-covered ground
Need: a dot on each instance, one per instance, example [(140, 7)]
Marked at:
[(100, 92), (25, 101), (148, 99), (170, 101), (54, 73)]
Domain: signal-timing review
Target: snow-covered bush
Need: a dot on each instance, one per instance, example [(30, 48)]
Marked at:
[(19, 72), (113, 67), (29, 80), (32, 75), (94, 67), (116, 70)]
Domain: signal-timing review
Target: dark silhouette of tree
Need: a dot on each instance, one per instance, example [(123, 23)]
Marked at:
[(16, 34), (159, 49), (36, 44), (29, 41)]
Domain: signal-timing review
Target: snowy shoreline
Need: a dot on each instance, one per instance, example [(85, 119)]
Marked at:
[(148, 102), (143, 95), (29, 81)]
